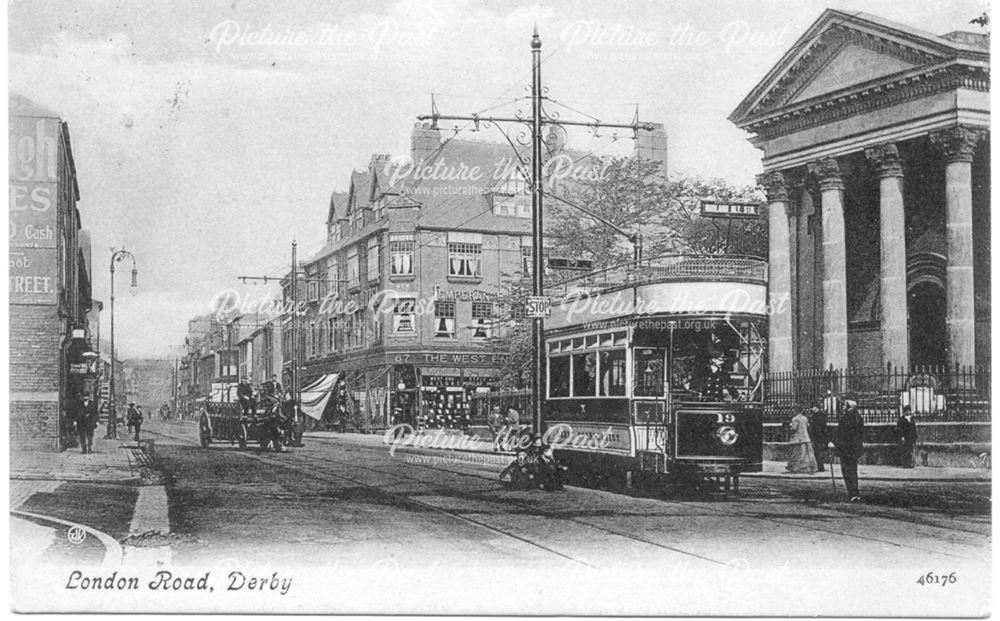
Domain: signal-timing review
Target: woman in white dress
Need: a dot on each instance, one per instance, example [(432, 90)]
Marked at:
[(803, 459)]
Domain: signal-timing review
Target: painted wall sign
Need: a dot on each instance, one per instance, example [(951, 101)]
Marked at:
[(33, 207)]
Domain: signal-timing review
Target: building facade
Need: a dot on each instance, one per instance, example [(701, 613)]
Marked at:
[(401, 301), (51, 350), (876, 169)]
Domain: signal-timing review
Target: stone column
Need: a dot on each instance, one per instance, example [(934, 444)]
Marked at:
[(779, 283), (834, 263), (892, 223), (959, 144)]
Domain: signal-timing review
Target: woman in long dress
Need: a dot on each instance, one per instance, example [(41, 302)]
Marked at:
[(803, 459)]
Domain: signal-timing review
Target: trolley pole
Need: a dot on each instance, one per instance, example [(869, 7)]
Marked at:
[(538, 119)]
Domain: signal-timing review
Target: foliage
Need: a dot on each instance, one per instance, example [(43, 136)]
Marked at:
[(632, 195)]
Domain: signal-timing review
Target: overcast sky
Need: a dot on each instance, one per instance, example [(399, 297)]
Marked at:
[(208, 134)]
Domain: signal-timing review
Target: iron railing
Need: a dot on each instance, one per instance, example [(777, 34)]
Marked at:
[(935, 393)]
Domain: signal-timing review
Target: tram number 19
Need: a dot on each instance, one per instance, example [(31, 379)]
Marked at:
[(725, 418)]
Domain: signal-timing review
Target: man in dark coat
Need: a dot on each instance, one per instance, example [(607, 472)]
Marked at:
[(906, 433), (134, 419), (849, 442), (86, 423), (819, 434), (244, 392)]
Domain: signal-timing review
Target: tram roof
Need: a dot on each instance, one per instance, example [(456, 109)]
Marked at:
[(667, 268)]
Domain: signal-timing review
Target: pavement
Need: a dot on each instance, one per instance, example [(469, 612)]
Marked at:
[(50, 501)]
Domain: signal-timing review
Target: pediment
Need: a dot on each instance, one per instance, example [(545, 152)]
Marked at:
[(852, 65), (838, 53)]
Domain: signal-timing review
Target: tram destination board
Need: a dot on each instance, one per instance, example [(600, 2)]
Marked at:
[(711, 208)]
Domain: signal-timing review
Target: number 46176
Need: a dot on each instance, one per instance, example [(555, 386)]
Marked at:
[(933, 578)]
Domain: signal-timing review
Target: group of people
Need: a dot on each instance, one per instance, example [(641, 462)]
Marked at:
[(251, 397), (810, 440), (504, 427)]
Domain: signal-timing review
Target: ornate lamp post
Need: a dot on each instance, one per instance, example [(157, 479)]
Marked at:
[(117, 256)]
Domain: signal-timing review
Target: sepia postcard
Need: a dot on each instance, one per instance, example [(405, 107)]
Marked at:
[(469, 307)]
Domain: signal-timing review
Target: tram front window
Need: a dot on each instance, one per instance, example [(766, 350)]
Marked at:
[(710, 361)]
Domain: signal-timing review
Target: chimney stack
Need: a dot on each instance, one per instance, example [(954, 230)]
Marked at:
[(652, 145), (423, 142)]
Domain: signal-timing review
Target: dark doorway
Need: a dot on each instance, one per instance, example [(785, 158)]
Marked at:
[(928, 333)]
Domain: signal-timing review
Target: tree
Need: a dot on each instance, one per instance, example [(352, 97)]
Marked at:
[(633, 195)]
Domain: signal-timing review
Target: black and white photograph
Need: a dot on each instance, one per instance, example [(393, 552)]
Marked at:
[(478, 307)]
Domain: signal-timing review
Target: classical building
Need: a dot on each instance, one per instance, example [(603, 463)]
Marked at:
[(52, 358), (877, 173), (401, 299)]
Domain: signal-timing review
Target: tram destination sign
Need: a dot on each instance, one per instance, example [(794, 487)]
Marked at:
[(712, 208), (582, 265)]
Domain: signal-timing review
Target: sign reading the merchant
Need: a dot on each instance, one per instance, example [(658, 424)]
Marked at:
[(711, 208), (33, 195)]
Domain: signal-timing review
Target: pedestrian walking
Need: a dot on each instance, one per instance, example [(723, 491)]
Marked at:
[(86, 423), (134, 419), (494, 420), (849, 442), (802, 460), (906, 435), (819, 434)]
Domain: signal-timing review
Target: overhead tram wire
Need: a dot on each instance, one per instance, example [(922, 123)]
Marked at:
[(445, 142)]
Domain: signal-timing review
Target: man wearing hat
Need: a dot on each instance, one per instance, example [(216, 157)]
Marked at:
[(134, 419), (849, 442), (906, 431)]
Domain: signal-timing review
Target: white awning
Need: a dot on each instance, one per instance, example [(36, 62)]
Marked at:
[(315, 396)]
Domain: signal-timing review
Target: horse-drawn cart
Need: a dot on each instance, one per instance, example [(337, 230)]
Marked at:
[(226, 422)]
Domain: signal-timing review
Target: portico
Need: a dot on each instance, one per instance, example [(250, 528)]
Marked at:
[(876, 170)]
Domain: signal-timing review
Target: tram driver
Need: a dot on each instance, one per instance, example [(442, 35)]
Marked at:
[(711, 380)]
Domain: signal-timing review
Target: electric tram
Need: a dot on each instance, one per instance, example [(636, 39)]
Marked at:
[(656, 368)]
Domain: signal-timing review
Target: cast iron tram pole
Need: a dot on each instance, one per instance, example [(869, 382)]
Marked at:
[(538, 119)]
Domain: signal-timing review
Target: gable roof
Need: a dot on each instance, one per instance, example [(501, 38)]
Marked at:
[(19, 105), (337, 199), (848, 55)]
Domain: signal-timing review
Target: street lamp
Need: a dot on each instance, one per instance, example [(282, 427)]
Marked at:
[(117, 256)]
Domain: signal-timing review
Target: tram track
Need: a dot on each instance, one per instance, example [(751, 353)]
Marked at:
[(534, 509), (709, 507)]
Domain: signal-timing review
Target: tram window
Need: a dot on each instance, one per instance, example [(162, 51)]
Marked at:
[(559, 376), (612, 369), (585, 375), (649, 372)]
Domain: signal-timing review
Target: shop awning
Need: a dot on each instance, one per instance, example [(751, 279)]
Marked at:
[(316, 395)]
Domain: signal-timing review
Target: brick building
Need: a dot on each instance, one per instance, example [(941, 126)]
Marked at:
[(401, 299), (50, 280)]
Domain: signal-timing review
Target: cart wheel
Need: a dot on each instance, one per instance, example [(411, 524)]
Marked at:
[(241, 439), (205, 438)]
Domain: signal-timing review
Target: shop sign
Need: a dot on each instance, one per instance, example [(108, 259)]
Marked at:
[(79, 368), (446, 381), (475, 295), (450, 359)]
